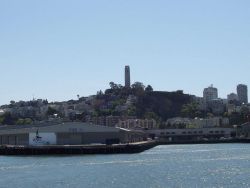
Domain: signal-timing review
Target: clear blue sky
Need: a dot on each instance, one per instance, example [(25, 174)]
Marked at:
[(56, 49)]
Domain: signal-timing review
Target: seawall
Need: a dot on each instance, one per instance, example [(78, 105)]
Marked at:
[(77, 149), (101, 149)]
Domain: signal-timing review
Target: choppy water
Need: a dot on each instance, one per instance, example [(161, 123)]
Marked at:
[(221, 165)]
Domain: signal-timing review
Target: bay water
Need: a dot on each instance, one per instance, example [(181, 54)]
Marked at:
[(208, 165)]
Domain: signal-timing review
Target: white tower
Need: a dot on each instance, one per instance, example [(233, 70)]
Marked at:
[(127, 76)]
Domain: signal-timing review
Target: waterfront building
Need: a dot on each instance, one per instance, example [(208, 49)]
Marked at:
[(127, 76), (137, 124), (210, 93), (210, 122), (243, 131), (242, 93), (182, 123), (194, 134), (72, 133), (178, 122)]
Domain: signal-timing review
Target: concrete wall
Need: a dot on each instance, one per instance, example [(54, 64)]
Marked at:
[(18, 139), (69, 134), (86, 138)]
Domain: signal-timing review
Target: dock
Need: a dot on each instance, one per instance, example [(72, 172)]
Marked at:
[(130, 148), (77, 149)]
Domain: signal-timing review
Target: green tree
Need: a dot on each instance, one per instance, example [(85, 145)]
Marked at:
[(51, 111), (28, 121), (138, 88), (131, 111), (190, 110), (8, 119), (20, 121), (149, 88), (138, 85), (113, 86)]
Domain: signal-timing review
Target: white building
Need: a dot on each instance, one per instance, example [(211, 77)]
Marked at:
[(217, 106), (232, 97), (210, 93), (178, 121), (210, 122), (197, 122), (232, 108), (137, 124), (191, 134)]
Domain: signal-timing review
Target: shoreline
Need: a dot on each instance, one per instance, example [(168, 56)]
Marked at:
[(132, 148), (77, 149)]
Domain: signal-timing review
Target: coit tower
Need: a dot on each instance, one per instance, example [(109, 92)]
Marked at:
[(127, 76)]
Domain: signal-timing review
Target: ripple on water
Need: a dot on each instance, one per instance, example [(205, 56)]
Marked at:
[(218, 165)]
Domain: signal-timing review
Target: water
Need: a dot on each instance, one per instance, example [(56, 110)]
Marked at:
[(221, 165)]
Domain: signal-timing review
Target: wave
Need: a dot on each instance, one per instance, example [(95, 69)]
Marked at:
[(146, 161), (225, 159), (4, 168), (155, 152)]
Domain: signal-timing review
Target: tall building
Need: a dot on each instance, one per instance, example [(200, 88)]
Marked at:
[(127, 76), (210, 93), (242, 93), (232, 97)]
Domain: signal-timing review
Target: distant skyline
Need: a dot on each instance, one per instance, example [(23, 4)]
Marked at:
[(58, 49)]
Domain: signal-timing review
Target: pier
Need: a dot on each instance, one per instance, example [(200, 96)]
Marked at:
[(77, 149), (101, 148)]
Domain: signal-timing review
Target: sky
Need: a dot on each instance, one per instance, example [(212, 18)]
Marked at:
[(57, 49)]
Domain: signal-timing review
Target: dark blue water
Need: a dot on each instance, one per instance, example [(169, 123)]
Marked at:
[(221, 165)]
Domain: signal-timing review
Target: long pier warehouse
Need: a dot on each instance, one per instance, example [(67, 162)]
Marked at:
[(71, 133)]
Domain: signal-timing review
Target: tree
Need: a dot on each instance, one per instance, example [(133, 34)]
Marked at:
[(151, 115), (190, 110), (131, 111), (12, 102), (113, 86), (99, 93), (51, 111), (26, 121), (149, 88), (8, 119), (244, 114), (138, 85), (138, 88)]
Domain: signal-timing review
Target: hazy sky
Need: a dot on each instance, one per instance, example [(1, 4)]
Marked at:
[(56, 49)]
